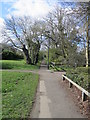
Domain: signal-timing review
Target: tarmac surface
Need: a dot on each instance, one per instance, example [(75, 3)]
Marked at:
[(52, 101)]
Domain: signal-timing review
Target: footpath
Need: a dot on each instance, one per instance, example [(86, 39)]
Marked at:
[(52, 101)]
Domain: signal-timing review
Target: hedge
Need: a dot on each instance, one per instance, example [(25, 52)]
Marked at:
[(10, 55)]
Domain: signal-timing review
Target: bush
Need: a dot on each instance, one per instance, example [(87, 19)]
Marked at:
[(62, 68), (10, 55), (82, 69), (79, 76)]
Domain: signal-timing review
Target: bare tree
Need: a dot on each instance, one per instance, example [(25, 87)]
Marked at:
[(23, 34)]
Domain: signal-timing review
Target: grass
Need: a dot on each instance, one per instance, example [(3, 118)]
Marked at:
[(18, 91), (17, 64), (0, 95)]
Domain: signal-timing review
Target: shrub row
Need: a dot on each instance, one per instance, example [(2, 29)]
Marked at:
[(79, 76), (10, 55)]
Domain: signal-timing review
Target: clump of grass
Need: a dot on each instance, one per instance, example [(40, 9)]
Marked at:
[(18, 91)]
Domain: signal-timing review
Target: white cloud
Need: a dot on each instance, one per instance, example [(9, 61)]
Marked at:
[(1, 21), (34, 8), (7, 0), (1, 26)]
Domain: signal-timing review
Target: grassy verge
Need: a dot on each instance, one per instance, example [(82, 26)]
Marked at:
[(18, 91), (17, 64)]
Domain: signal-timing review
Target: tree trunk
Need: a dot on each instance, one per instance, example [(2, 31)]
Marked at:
[(89, 39), (87, 43), (28, 59), (37, 55)]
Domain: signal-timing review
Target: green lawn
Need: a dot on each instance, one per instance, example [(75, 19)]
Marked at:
[(18, 91), (16, 64), (0, 94)]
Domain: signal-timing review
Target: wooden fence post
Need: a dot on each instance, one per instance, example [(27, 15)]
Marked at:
[(63, 78), (83, 96), (70, 84)]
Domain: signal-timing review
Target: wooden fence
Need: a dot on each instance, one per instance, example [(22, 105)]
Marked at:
[(71, 83)]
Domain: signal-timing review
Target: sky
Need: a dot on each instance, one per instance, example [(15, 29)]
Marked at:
[(33, 8)]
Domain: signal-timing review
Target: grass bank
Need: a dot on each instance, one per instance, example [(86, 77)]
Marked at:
[(16, 64), (18, 91)]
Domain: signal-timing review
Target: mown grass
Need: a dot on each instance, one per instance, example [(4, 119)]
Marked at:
[(0, 95), (17, 64), (18, 91)]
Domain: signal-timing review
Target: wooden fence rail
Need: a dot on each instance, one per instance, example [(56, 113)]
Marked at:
[(84, 92)]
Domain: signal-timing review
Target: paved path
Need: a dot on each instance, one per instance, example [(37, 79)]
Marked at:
[(52, 100)]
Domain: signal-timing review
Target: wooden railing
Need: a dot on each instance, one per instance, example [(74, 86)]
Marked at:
[(53, 65), (71, 83)]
